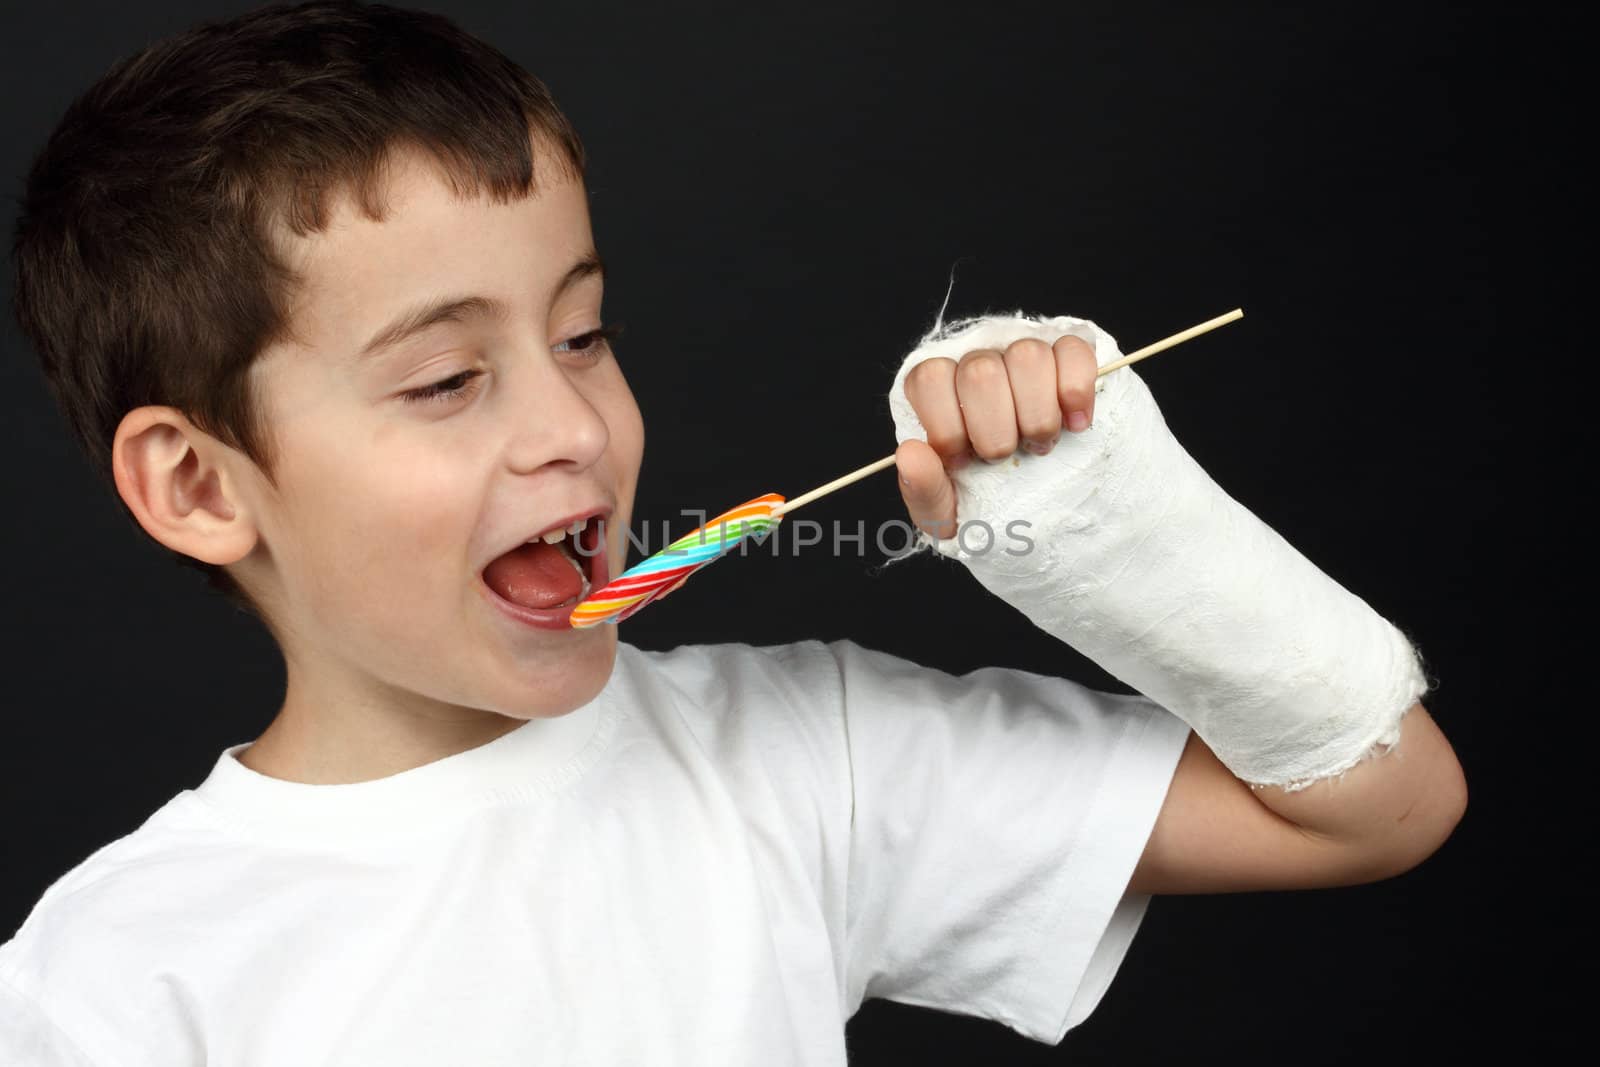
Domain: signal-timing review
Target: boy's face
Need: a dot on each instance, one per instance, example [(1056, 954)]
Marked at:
[(387, 509)]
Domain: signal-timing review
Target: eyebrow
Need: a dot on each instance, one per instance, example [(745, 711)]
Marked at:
[(461, 308)]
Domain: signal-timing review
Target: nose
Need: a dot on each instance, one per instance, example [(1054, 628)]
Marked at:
[(551, 419)]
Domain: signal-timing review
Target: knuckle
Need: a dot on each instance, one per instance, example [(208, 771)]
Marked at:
[(1075, 383), (1040, 427), (1028, 351), (981, 365), (993, 449), (928, 373), (1073, 347)]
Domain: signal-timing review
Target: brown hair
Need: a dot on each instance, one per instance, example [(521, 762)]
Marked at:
[(143, 262)]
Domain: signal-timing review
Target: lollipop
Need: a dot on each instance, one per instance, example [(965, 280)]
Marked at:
[(665, 571)]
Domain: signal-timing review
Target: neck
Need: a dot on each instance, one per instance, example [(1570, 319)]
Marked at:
[(326, 735)]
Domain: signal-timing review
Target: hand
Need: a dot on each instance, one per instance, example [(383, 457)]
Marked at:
[(984, 407)]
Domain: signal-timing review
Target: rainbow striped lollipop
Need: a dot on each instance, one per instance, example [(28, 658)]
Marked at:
[(654, 578)]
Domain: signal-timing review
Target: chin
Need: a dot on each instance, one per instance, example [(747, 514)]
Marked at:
[(572, 680)]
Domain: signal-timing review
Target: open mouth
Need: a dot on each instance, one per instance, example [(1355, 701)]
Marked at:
[(553, 571)]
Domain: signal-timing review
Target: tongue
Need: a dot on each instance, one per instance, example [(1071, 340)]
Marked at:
[(535, 576)]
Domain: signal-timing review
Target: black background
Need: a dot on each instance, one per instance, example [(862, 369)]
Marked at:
[(780, 196)]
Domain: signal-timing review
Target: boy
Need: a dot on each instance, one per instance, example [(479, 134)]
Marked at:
[(317, 289)]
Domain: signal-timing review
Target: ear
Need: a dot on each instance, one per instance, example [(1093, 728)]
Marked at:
[(176, 480)]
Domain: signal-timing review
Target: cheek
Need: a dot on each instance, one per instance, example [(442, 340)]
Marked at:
[(383, 526)]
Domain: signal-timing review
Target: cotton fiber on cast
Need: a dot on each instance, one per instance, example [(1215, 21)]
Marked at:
[(1142, 563)]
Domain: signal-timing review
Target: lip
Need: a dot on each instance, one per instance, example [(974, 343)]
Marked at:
[(593, 555)]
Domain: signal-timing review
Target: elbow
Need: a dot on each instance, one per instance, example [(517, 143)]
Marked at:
[(1430, 821), (1438, 795), (1454, 805), (1458, 799)]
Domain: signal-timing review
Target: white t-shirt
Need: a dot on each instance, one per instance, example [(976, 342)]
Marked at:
[(715, 861)]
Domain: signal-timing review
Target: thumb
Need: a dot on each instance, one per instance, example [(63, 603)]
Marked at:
[(929, 493)]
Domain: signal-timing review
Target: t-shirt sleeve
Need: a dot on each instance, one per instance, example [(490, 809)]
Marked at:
[(28, 1038), (997, 818)]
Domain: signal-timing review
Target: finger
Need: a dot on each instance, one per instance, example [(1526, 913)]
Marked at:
[(984, 391), (1031, 366), (931, 389), (1076, 370), (926, 488)]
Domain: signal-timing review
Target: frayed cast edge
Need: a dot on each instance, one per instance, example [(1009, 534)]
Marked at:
[(1388, 740)]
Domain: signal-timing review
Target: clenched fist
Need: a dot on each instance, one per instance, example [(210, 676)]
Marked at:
[(986, 405)]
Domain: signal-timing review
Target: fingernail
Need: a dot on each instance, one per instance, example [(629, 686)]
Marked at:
[(1077, 421), (1038, 448), (960, 461)]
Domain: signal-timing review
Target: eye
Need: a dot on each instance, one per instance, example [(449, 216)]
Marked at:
[(593, 343), (450, 388)]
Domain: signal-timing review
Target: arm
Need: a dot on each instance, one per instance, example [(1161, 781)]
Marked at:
[(1217, 834), (1244, 641)]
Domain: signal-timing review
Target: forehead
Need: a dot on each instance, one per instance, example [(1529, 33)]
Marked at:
[(357, 273)]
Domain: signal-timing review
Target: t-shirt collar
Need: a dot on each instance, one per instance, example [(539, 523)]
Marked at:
[(534, 758)]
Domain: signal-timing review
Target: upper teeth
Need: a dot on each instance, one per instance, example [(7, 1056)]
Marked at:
[(553, 536)]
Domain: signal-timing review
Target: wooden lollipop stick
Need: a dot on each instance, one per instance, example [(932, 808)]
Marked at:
[(837, 483), (888, 461), (1176, 339)]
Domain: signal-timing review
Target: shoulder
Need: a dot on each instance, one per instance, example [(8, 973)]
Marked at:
[(719, 686), (802, 672), (108, 914), (737, 670), (849, 683), (763, 715), (809, 686)]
